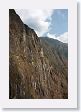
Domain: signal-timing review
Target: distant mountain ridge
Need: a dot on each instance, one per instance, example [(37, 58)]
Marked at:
[(60, 47), (38, 67)]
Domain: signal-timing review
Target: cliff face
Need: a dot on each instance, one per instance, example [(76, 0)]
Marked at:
[(32, 74)]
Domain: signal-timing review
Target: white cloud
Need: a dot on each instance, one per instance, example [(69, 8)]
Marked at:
[(36, 19), (63, 38)]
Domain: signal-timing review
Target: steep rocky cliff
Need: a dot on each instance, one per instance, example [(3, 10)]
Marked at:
[(35, 70)]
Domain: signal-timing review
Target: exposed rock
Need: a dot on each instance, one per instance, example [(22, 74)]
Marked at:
[(35, 69)]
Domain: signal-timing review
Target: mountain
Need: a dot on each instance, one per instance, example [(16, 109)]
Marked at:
[(62, 47), (56, 46), (37, 69)]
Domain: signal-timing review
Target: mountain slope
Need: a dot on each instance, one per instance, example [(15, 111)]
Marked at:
[(31, 73), (57, 47), (62, 48)]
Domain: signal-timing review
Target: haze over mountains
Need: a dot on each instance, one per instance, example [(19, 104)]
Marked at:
[(38, 67)]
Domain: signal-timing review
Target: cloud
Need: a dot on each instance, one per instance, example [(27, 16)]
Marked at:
[(39, 20), (63, 38)]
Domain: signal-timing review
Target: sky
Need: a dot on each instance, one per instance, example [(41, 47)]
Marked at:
[(52, 23)]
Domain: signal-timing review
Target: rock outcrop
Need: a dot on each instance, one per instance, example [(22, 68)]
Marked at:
[(36, 70)]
